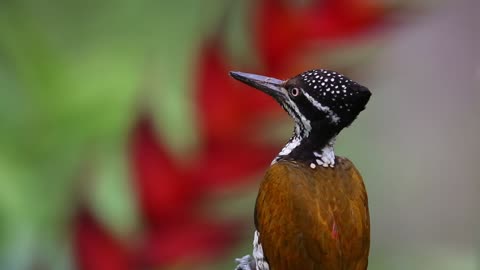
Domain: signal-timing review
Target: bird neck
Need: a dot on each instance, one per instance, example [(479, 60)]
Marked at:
[(314, 147)]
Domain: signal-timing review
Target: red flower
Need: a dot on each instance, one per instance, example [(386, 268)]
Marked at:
[(228, 111), (196, 240), (175, 226), (96, 248), (230, 115), (284, 31), (165, 192), (172, 197)]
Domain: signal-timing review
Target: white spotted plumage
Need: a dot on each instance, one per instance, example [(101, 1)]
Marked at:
[(333, 116)]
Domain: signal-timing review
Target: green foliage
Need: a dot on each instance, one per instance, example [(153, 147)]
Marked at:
[(72, 75)]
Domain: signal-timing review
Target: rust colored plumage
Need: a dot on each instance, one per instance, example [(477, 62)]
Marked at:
[(313, 219)]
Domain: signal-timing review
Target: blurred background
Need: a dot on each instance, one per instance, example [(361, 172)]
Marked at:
[(125, 145)]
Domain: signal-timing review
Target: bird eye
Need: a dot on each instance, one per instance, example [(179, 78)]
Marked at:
[(294, 92)]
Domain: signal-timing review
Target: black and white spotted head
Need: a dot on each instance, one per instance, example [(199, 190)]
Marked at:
[(324, 94), (314, 96), (321, 102)]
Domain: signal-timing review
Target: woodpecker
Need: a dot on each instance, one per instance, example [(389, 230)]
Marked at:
[(311, 211)]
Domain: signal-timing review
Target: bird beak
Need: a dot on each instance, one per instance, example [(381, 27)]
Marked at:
[(271, 86)]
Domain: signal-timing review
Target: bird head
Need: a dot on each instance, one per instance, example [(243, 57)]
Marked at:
[(321, 101)]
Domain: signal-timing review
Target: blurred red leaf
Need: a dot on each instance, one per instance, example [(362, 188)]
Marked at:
[(284, 31), (229, 114), (195, 238), (221, 166), (227, 110), (164, 191), (192, 240), (95, 248)]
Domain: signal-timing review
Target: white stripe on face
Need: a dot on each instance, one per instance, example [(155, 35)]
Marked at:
[(333, 116), (300, 119)]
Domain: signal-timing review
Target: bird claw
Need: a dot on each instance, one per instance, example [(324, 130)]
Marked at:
[(245, 263)]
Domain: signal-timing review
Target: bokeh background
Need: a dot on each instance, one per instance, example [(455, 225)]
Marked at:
[(125, 145)]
